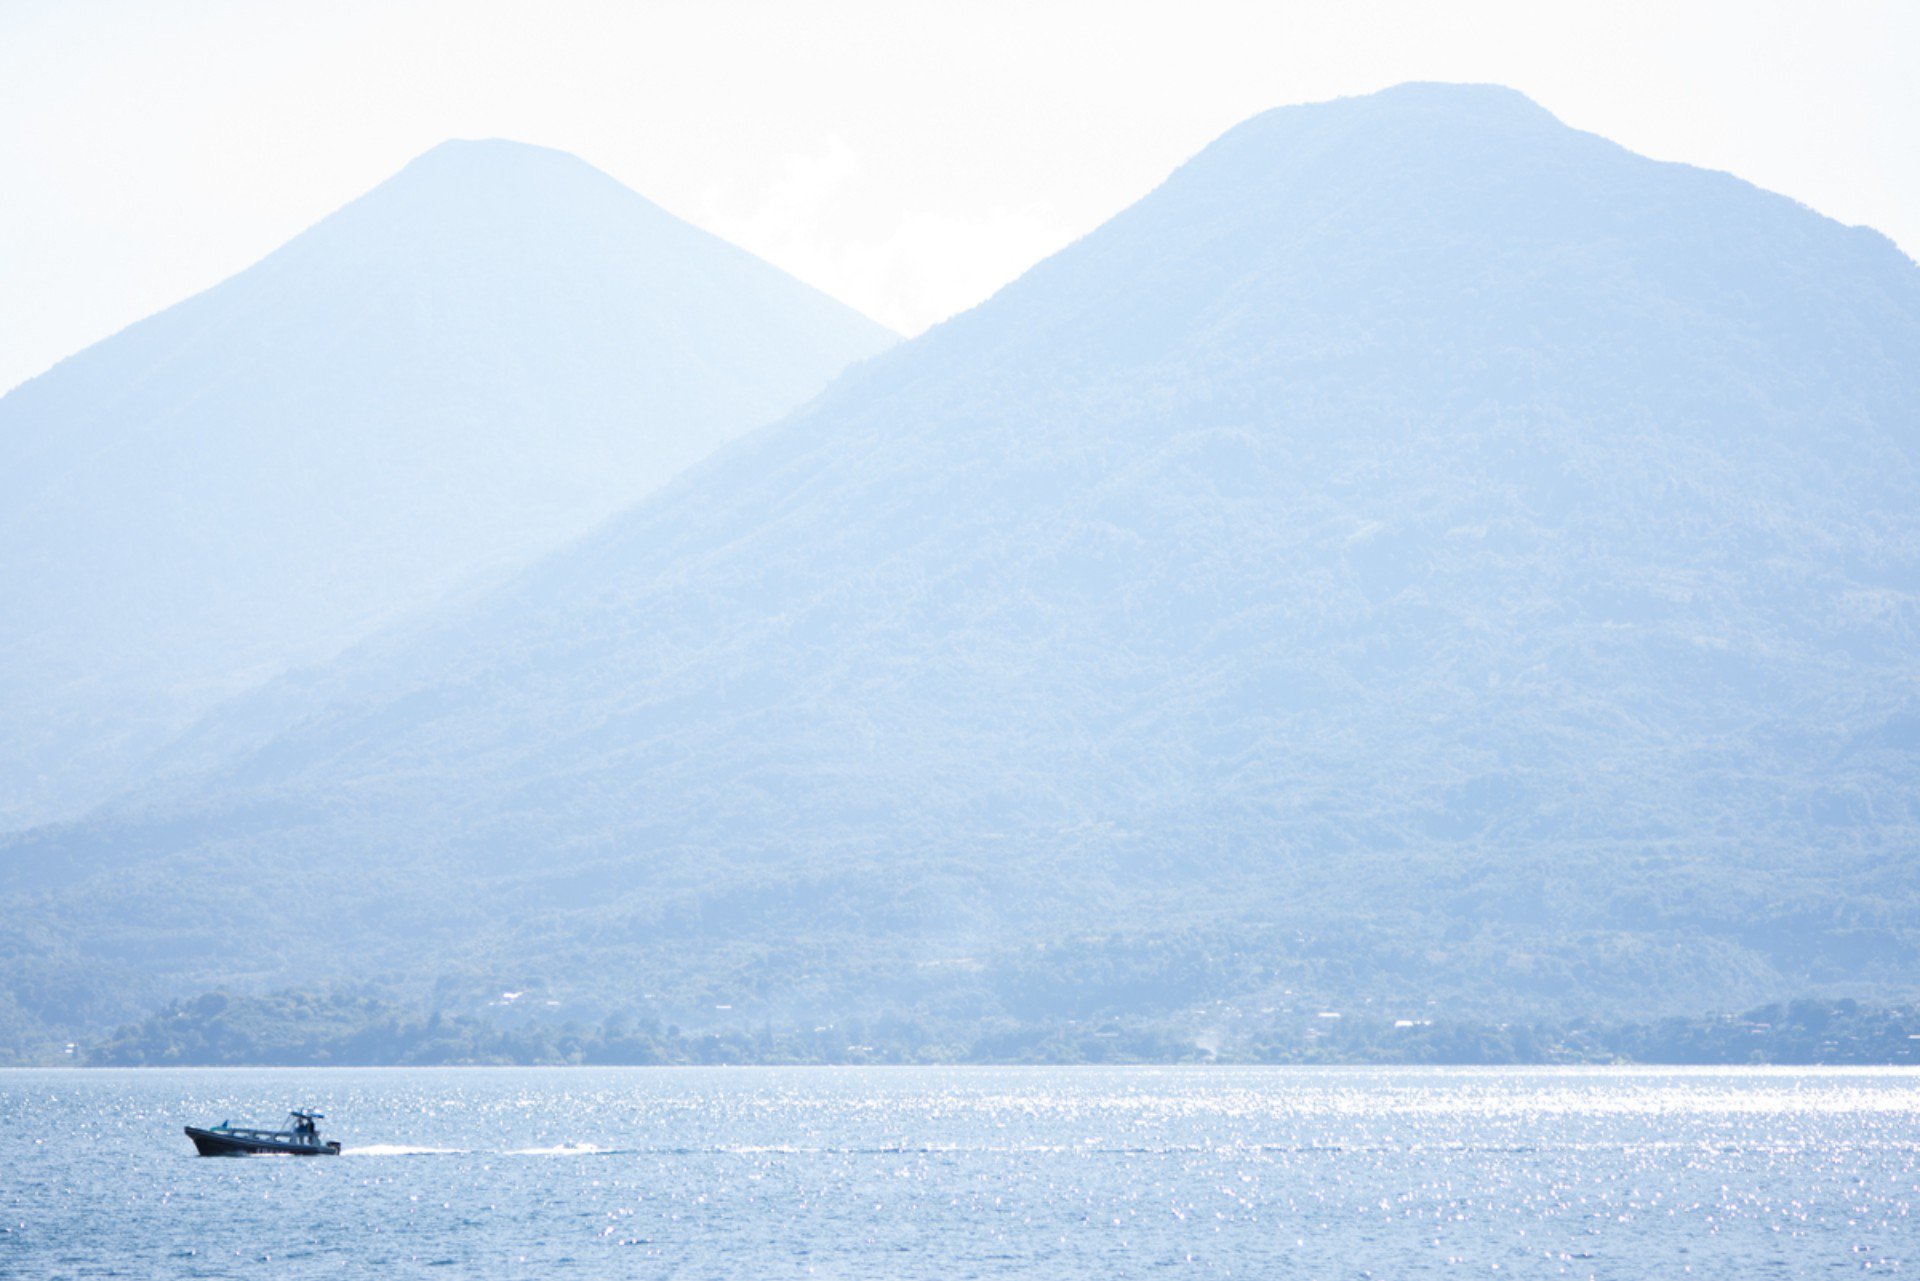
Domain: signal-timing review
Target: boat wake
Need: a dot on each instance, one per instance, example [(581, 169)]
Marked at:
[(409, 1149), (562, 1149)]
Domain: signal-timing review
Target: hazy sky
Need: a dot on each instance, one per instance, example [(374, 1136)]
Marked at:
[(907, 158)]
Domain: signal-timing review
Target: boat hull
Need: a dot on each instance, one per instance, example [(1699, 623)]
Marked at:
[(225, 1143)]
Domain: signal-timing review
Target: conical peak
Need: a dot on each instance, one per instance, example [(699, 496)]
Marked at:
[(1421, 102), (492, 154), (495, 187), (1413, 118), (477, 164), (1486, 101)]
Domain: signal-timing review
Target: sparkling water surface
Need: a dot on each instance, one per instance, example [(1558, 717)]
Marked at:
[(968, 1172)]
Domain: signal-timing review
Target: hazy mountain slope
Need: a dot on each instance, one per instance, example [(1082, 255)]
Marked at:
[(470, 364), (1420, 552)]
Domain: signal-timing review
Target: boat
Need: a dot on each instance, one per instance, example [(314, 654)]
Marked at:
[(300, 1138)]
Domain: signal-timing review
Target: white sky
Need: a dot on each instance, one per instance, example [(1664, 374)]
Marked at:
[(906, 157)]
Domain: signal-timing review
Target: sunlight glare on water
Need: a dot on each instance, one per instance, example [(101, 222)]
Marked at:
[(968, 1172)]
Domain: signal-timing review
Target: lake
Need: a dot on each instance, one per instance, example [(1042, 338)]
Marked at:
[(968, 1172)]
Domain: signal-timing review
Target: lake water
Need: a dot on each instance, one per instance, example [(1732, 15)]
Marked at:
[(969, 1172)]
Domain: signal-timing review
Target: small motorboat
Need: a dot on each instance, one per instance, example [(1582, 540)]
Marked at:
[(300, 1138)]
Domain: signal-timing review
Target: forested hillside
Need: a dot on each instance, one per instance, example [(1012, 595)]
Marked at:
[(461, 370), (1420, 559)]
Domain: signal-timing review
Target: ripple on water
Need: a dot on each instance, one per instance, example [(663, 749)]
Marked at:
[(906, 1173)]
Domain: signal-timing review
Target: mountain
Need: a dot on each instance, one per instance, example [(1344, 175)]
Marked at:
[(1421, 557), (471, 364)]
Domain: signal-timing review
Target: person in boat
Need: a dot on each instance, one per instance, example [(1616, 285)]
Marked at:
[(300, 1137)]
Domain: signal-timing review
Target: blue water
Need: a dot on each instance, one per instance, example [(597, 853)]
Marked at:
[(969, 1172)]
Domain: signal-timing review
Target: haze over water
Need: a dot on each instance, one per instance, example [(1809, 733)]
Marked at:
[(962, 1172)]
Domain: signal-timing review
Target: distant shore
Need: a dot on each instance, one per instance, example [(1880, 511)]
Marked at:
[(290, 1029)]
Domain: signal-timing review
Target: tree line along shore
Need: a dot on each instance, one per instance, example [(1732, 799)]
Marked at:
[(295, 1028)]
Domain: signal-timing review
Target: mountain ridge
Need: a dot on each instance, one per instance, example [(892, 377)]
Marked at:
[(452, 373), (1467, 596)]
